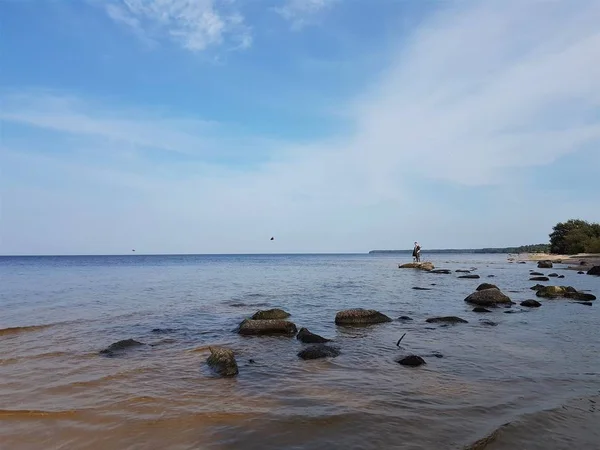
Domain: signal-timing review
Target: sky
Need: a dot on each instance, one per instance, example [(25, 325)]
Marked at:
[(210, 126)]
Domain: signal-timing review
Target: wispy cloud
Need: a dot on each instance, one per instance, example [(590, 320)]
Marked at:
[(194, 24), (301, 13)]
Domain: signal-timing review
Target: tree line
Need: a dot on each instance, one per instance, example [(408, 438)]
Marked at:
[(575, 236)]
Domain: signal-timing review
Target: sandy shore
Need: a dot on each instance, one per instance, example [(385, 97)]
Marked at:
[(589, 259)]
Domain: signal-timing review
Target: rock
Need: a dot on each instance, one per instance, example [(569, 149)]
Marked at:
[(536, 274), (522, 262), (446, 319), (544, 265), (582, 263), (251, 327), (539, 279), (310, 338), (441, 271), (584, 303), (120, 346), (537, 287), (561, 276), (484, 286), (594, 271), (360, 316), (584, 296), (513, 311), (565, 292), (222, 361), (462, 271), (271, 314), (531, 303), (480, 309), (581, 272), (319, 351), (421, 266), (421, 289), (553, 275), (471, 276), (491, 276), (411, 361), (405, 318), (488, 322), (163, 330), (488, 297)]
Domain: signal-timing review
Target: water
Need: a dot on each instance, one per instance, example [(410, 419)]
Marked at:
[(57, 392)]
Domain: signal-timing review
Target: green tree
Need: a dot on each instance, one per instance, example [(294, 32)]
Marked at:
[(573, 236)]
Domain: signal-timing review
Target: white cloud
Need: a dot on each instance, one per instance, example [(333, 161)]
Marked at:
[(303, 12), (195, 24)]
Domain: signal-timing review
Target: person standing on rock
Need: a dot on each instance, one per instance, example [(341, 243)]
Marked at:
[(417, 252)]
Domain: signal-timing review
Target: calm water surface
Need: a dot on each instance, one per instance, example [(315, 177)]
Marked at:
[(538, 369)]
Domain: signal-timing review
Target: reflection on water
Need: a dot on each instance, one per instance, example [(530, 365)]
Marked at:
[(58, 392)]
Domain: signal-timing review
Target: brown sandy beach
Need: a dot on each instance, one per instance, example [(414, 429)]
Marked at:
[(580, 260)]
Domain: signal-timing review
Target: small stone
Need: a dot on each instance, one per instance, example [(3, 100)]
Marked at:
[(222, 361), (481, 309), (539, 279), (310, 338), (405, 318), (581, 272), (561, 276), (421, 289), (488, 323), (271, 314), (470, 277), (446, 319), (318, 351), (491, 276), (360, 316), (412, 361), (531, 303), (553, 275)]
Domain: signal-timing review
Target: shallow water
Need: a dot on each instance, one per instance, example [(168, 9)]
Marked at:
[(57, 392)]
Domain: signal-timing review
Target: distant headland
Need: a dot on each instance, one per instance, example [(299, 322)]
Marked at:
[(535, 248)]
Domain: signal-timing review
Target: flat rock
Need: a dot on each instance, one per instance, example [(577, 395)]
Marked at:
[(271, 314), (446, 319), (318, 351), (584, 303), (488, 297), (488, 323), (561, 276), (421, 266), (491, 276), (470, 276), (222, 361), (120, 346), (310, 338), (553, 275), (484, 286), (360, 316), (405, 318), (416, 288), (411, 361), (481, 309), (544, 265), (536, 274), (441, 271), (462, 271), (594, 271), (251, 327), (531, 303), (539, 279)]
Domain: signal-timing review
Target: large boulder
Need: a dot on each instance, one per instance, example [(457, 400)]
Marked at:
[(594, 271), (544, 265), (360, 316), (421, 266), (488, 297), (222, 361), (484, 286), (251, 327), (310, 338), (319, 351), (446, 319), (271, 314), (120, 347), (564, 292)]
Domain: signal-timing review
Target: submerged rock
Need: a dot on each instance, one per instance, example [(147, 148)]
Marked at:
[(471, 276), (484, 286), (539, 279), (537, 274), (271, 314), (488, 297), (441, 271), (411, 361), (584, 296), (531, 303), (564, 292), (594, 271), (310, 338), (421, 266), (561, 276), (488, 323), (163, 330), (251, 327), (405, 318), (481, 309), (222, 361), (360, 316), (584, 303), (462, 271), (581, 272), (319, 351), (537, 287), (120, 346), (544, 265), (446, 319), (491, 276), (553, 275), (416, 288)]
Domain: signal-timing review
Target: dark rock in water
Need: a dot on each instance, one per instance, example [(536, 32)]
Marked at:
[(484, 286), (553, 275), (446, 319), (581, 272), (271, 314), (251, 327), (561, 276), (488, 297), (120, 346), (565, 292), (470, 277), (531, 303), (441, 271), (163, 330), (319, 351), (435, 355), (582, 263), (537, 287), (411, 361), (521, 262), (222, 361), (545, 265), (421, 289), (539, 279), (310, 338), (251, 361), (584, 296), (488, 323), (594, 271), (515, 311), (491, 276), (537, 274), (360, 316), (404, 318), (462, 271), (481, 309), (584, 303), (427, 266)]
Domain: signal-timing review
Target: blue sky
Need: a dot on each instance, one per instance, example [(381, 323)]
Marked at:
[(208, 126)]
